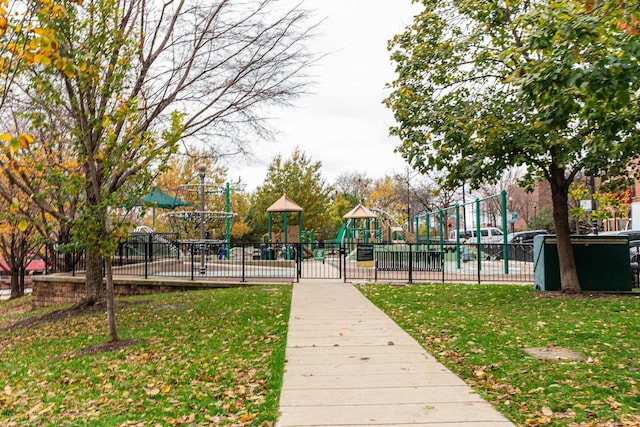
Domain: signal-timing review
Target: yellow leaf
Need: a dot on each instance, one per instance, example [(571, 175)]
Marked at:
[(25, 139), (22, 226), (42, 59), (166, 389), (5, 137)]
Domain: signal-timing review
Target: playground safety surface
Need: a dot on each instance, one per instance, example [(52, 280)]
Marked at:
[(348, 364)]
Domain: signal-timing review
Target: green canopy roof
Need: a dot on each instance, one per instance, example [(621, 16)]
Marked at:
[(162, 200)]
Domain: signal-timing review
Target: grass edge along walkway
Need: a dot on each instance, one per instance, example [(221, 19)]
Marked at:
[(480, 331), (210, 357)]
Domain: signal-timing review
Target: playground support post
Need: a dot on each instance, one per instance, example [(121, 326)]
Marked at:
[(458, 235), (428, 226), (478, 236), (505, 253), (227, 208)]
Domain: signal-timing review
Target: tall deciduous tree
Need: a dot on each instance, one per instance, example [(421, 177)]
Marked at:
[(302, 181), (552, 85), (137, 75)]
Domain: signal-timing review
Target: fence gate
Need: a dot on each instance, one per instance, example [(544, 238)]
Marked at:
[(393, 262), (322, 262)]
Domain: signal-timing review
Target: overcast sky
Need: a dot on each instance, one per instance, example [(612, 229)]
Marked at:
[(342, 123)]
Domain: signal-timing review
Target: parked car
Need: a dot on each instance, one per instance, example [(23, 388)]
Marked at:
[(631, 234), (487, 235), (524, 237)]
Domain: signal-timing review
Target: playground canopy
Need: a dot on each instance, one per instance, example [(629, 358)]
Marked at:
[(358, 212), (284, 204), (160, 199)]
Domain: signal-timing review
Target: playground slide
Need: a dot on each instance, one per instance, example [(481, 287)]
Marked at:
[(340, 238)]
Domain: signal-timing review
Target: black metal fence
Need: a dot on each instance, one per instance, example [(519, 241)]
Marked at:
[(194, 260), (164, 256)]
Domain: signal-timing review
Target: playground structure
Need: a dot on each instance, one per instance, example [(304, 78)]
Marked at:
[(200, 226), (372, 246), (283, 242), (364, 226), (438, 225)]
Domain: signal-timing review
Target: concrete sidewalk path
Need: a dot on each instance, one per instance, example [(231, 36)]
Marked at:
[(348, 364)]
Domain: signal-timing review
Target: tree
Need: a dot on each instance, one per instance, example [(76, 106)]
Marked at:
[(416, 192), (550, 85), (138, 76), (386, 198), (19, 246), (302, 181), (356, 186)]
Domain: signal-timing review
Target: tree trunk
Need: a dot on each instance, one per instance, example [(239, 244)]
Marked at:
[(111, 303), (21, 277), (15, 285), (93, 281), (560, 198)]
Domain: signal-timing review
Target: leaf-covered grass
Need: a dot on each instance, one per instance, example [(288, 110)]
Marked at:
[(480, 331), (208, 358)]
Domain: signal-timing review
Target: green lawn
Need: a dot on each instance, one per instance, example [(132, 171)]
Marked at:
[(216, 357), (208, 358), (480, 331)]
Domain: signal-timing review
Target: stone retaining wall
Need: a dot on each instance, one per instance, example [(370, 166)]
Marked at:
[(55, 290)]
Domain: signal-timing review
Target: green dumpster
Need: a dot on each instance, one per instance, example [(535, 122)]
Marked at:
[(602, 263)]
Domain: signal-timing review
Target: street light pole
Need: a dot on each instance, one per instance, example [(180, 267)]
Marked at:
[(535, 218)]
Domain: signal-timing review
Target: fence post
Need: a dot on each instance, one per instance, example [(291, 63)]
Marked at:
[(146, 262), (193, 265), (441, 230), (150, 247), (299, 260), (342, 252), (46, 258), (410, 264), (121, 248), (243, 263)]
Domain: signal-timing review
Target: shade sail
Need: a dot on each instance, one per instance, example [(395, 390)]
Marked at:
[(159, 198)]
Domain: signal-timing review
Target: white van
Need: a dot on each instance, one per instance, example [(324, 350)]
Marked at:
[(487, 235)]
